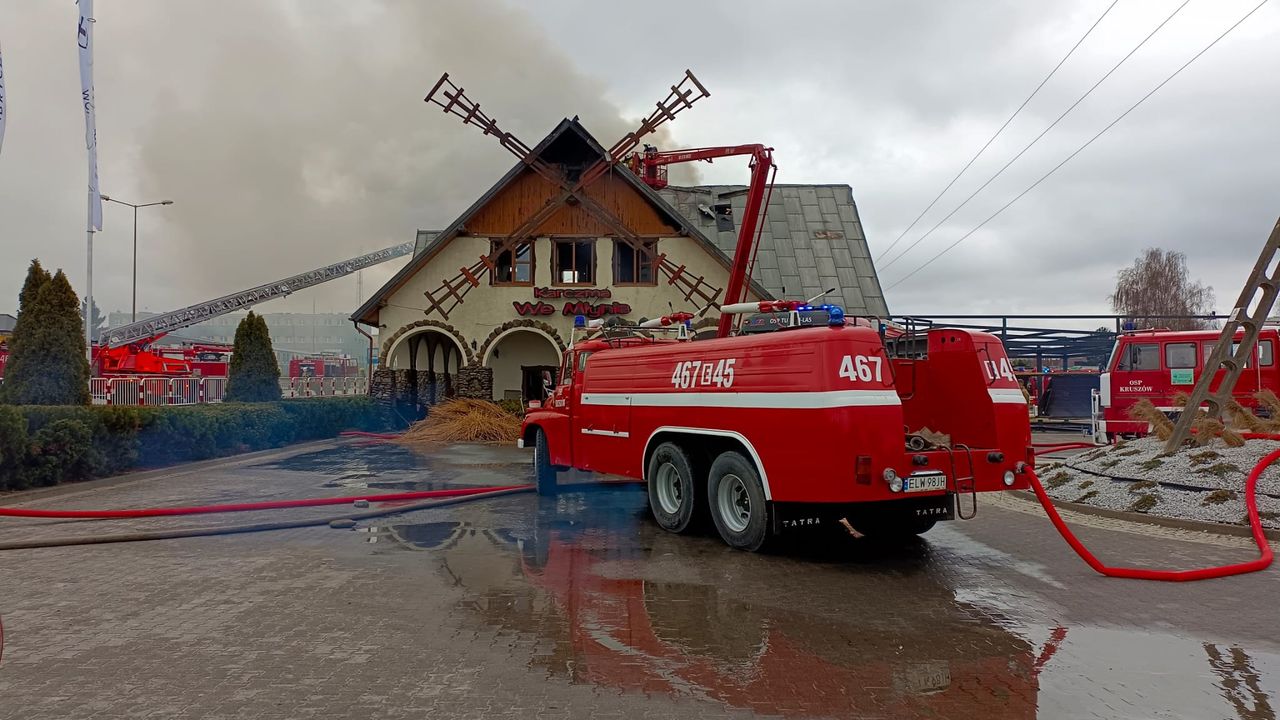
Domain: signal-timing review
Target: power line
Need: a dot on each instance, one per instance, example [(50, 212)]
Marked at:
[(1044, 132), (983, 149), (1081, 148)]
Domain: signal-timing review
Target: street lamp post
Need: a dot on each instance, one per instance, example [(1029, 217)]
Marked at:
[(134, 313)]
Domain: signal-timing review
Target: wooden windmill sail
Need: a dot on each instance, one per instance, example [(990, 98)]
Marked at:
[(571, 185)]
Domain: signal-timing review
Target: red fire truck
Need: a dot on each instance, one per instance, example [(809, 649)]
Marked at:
[(797, 427), (323, 366), (1157, 364)]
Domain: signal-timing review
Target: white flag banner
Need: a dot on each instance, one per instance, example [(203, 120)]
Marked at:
[(85, 38), (1, 102)]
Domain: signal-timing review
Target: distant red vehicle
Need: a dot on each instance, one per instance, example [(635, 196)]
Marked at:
[(1157, 364), (143, 359), (323, 366)]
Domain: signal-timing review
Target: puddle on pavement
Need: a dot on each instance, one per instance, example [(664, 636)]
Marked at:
[(820, 630), (391, 467)]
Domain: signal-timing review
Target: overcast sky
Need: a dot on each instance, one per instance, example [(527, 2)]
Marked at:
[(293, 134)]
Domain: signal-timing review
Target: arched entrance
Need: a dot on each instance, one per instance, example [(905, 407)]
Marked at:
[(519, 357), (432, 357)]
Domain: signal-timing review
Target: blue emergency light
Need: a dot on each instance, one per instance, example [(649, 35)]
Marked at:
[(579, 321), (835, 315)]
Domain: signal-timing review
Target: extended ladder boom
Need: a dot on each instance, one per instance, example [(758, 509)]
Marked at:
[(177, 319)]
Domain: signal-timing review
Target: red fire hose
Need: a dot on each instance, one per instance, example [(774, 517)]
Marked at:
[(244, 507), (1251, 504)]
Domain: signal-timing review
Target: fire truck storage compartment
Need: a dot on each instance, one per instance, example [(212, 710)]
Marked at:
[(962, 387)]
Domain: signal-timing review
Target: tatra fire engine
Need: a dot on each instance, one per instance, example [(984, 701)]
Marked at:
[(818, 422)]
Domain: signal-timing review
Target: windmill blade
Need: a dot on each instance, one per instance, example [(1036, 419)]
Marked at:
[(453, 100), (682, 97)]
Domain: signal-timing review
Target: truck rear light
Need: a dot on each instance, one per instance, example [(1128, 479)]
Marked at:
[(1008, 478), (995, 457), (891, 477), (863, 470)]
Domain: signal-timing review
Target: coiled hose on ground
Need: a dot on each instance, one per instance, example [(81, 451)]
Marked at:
[(1251, 504)]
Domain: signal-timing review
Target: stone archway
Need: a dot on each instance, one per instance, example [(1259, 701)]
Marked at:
[(421, 365), (519, 359), (482, 355), (394, 343)]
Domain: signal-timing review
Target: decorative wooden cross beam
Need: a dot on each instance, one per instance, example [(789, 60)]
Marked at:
[(453, 100)]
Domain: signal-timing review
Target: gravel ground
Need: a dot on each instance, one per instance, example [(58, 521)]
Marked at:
[(1218, 469)]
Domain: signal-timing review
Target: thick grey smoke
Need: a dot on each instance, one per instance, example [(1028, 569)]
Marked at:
[(297, 134), (288, 134)]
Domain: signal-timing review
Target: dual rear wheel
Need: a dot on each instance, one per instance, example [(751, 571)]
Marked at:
[(732, 494)]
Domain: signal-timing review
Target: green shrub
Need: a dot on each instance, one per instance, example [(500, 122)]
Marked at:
[(514, 407), (253, 375), (44, 445)]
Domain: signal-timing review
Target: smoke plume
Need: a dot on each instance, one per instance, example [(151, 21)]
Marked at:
[(295, 134)]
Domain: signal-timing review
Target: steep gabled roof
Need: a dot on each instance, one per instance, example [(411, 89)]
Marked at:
[(811, 240), (567, 131)]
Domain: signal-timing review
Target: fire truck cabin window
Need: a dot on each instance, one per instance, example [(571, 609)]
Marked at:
[(582, 361), (1265, 353), (1180, 355), (1141, 357), (514, 267), (1207, 349), (575, 262), (634, 265)]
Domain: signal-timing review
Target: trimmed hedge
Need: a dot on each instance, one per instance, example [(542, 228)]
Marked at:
[(46, 445)]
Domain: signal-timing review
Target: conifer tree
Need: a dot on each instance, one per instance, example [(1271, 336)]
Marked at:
[(47, 364), (254, 375)]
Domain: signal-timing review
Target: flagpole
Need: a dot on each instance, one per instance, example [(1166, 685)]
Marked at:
[(84, 38)]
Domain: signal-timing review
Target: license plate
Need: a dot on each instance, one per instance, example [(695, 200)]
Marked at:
[(924, 482), (919, 678)]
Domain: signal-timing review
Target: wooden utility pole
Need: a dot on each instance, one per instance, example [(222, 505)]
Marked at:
[(1262, 288)]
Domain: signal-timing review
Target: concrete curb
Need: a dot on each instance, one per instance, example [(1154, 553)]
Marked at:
[(1176, 523), (22, 497)]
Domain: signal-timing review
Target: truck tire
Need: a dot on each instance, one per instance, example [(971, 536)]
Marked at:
[(671, 488), (544, 473), (737, 501)]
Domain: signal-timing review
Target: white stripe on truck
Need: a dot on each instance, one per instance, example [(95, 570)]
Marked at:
[(778, 400), (1007, 395)]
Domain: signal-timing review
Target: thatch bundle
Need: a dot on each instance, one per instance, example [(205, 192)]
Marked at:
[(464, 420)]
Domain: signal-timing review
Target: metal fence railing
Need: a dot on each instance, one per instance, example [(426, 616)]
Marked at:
[(154, 391), (196, 391), (323, 386)]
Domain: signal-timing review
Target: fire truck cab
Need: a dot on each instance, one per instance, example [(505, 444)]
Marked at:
[(1158, 364), (813, 424)]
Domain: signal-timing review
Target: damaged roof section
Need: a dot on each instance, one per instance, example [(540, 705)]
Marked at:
[(812, 240)]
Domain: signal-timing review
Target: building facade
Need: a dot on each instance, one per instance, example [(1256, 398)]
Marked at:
[(447, 323)]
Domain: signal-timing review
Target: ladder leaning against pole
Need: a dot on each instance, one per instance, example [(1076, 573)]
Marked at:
[(1263, 285)]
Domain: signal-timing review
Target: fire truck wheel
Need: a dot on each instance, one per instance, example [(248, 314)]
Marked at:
[(737, 502), (671, 493), (543, 471)]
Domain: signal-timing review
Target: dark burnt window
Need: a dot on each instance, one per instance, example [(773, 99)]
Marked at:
[(574, 261), (514, 266), (634, 265)]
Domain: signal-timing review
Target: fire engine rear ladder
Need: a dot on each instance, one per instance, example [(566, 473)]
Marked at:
[(964, 485), (1263, 285)]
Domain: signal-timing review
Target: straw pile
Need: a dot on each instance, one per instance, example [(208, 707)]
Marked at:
[(464, 420)]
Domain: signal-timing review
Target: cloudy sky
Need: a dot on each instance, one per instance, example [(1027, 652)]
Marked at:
[(293, 134)]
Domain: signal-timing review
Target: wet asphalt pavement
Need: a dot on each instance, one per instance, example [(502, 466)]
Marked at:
[(579, 606)]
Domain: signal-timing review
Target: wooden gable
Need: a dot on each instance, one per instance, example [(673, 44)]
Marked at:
[(529, 192)]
